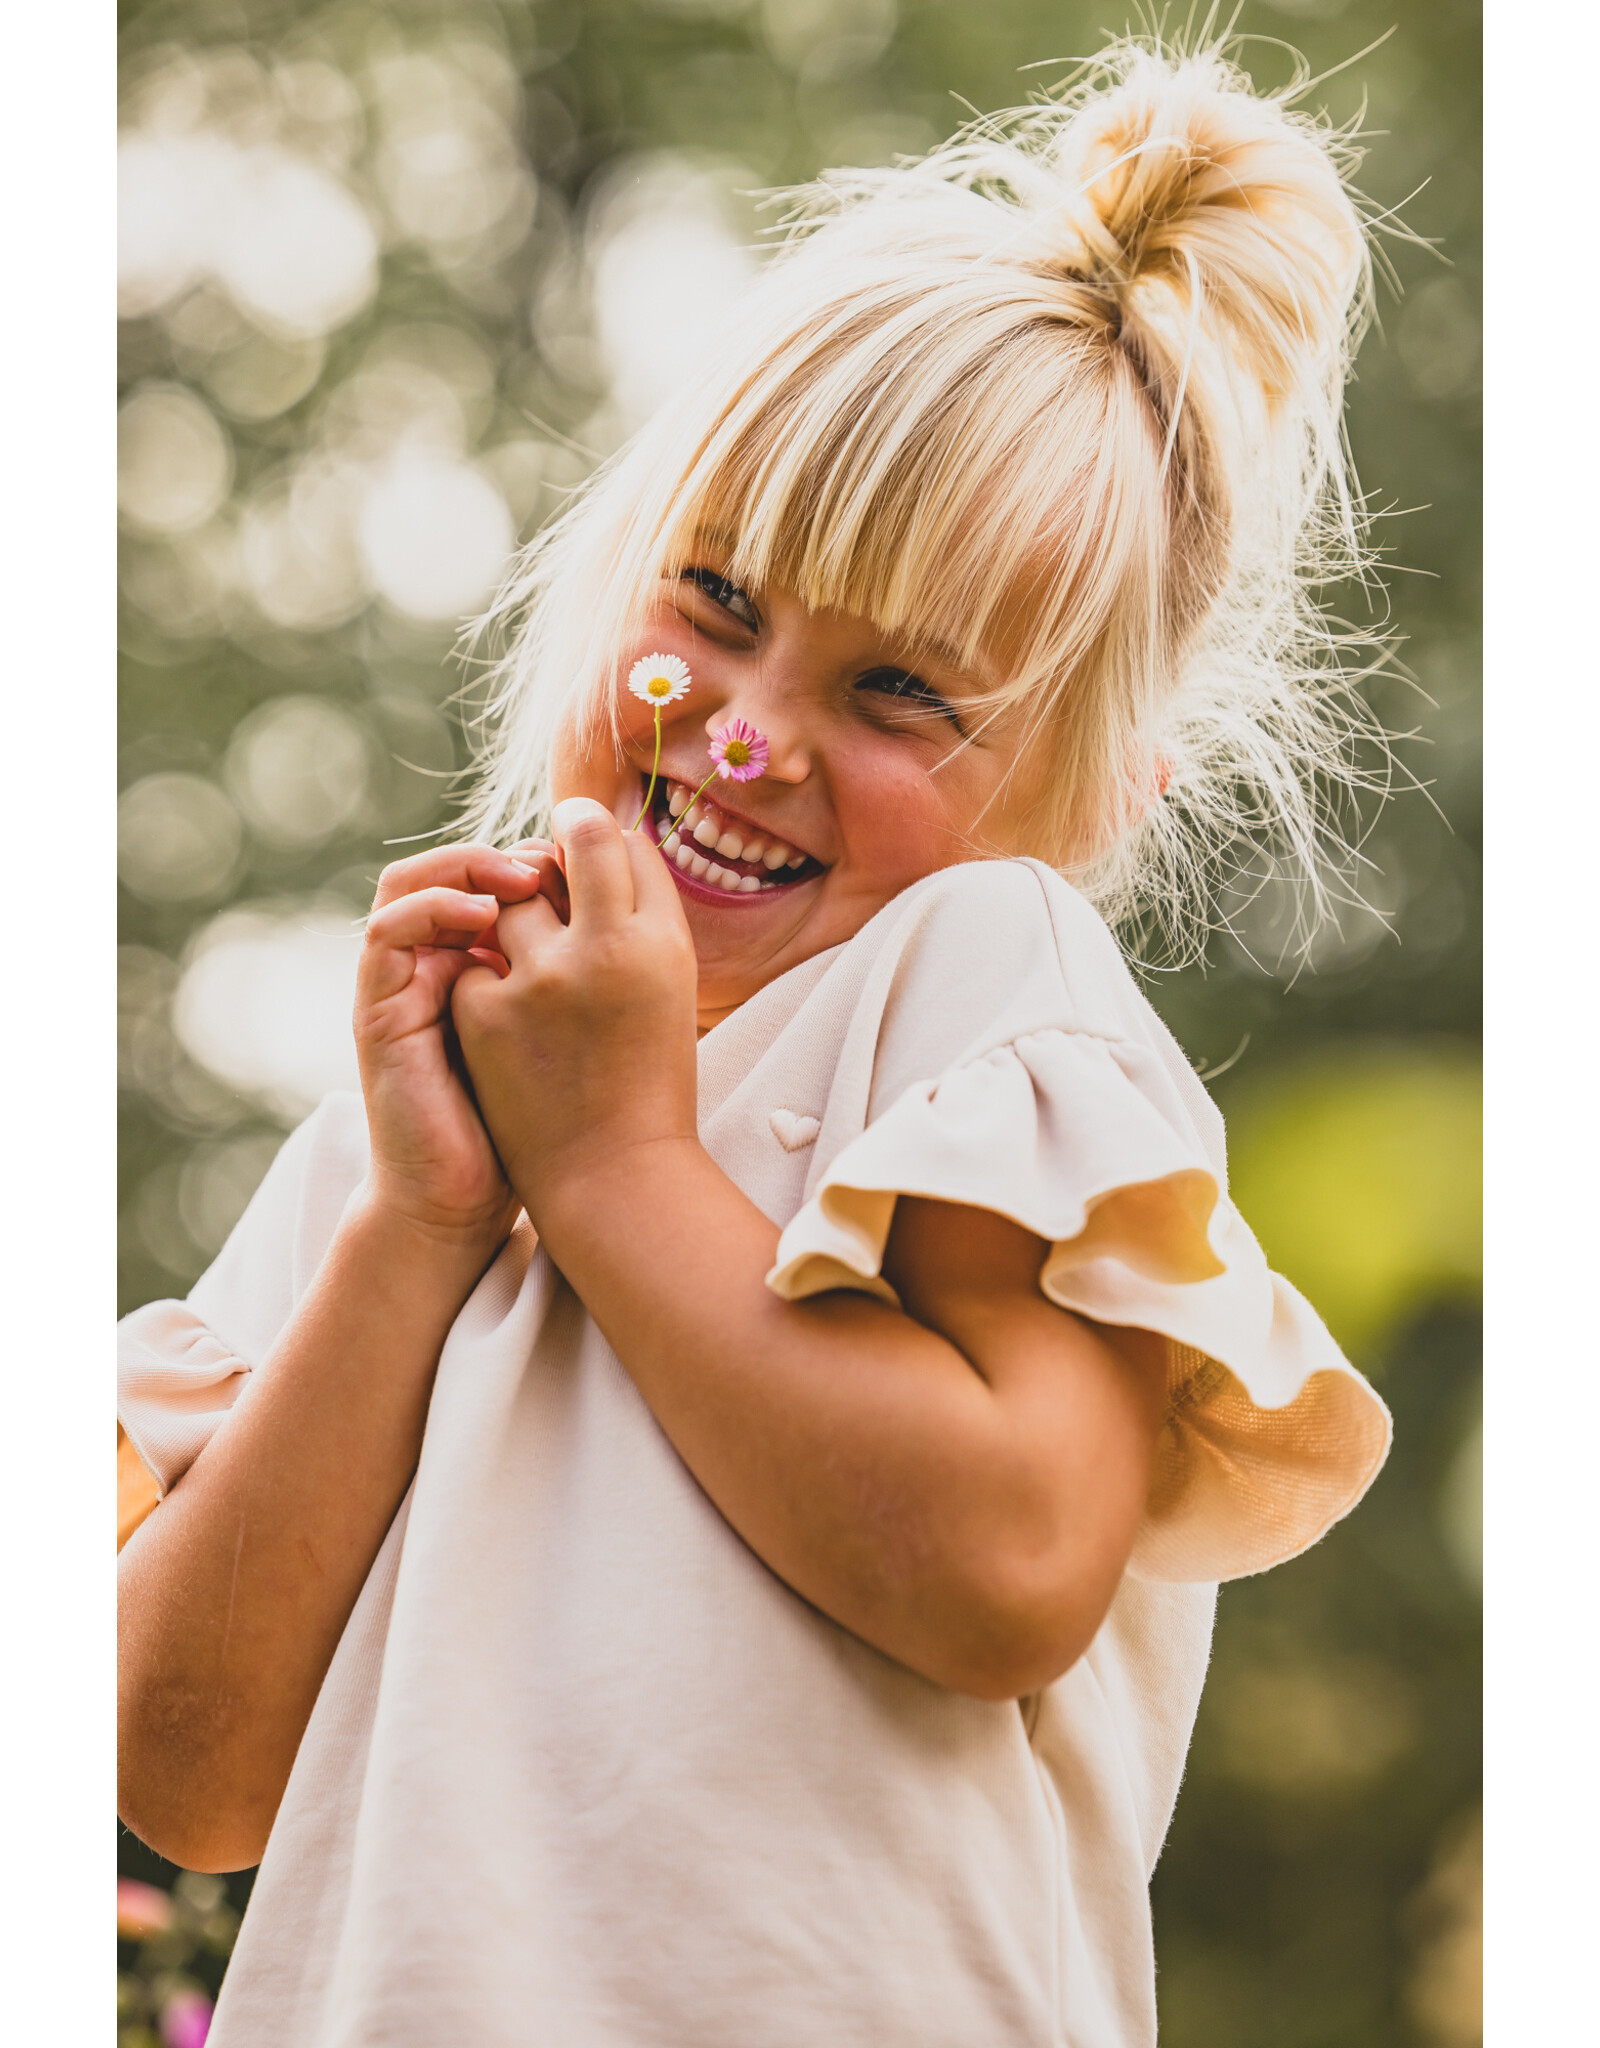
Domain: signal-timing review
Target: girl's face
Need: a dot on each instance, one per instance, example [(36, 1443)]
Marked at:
[(869, 785)]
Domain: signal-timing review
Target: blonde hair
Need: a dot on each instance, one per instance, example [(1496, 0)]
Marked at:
[(1090, 353)]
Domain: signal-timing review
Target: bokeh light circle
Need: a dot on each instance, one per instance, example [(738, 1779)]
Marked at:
[(174, 463), (178, 839), (265, 1003), (435, 535), (300, 769), (300, 253), (217, 1180)]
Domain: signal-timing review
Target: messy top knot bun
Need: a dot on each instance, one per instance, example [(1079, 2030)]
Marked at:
[(1069, 387), (1218, 224), (1188, 196)]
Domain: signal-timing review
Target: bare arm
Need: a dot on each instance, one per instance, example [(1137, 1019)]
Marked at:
[(233, 1594), (959, 1484)]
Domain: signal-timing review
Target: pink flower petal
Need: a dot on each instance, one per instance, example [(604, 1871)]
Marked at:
[(739, 751)]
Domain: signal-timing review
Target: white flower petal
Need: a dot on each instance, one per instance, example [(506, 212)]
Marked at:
[(647, 677)]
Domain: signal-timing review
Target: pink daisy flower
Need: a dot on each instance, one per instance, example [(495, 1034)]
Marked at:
[(740, 751)]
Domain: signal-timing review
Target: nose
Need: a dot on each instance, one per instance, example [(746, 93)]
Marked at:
[(775, 706)]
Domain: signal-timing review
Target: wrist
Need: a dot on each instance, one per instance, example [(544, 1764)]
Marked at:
[(386, 1221), (604, 1180)]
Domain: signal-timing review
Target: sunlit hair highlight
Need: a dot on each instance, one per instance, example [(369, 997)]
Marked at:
[(1066, 395)]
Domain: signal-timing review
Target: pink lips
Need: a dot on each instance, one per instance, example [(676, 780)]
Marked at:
[(722, 898), (726, 899)]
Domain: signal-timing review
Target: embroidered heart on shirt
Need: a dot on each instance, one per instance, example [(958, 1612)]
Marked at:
[(794, 1133)]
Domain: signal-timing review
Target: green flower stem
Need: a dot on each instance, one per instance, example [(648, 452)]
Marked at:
[(689, 806), (655, 770)]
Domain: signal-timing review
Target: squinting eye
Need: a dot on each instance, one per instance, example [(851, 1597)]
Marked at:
[(720, 591), (909, 690)]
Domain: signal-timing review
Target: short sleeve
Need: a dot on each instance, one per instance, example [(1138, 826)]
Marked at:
[(181, 1365), (1270, 1435)]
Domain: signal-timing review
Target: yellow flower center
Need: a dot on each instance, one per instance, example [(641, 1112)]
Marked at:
[(660, 686), (737, 752)]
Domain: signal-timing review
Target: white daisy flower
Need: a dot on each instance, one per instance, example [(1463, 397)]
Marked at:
[(659, 679)]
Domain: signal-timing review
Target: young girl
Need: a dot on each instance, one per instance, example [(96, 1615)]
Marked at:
[(716, 1544)]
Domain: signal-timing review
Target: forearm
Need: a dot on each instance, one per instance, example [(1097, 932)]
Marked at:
[(934, 1511), (233, 1595)]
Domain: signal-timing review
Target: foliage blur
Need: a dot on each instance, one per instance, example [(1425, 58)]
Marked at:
[(392, 278)]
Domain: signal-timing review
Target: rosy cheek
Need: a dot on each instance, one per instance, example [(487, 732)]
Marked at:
[(892, 821)]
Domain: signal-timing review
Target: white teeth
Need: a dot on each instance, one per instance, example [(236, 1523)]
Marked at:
[(721, 877), (684, 855), (717, 835), (698, 864), (748, 885)]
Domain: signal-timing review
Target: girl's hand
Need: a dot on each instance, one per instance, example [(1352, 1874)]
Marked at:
[(585, 1049), (434, 917)]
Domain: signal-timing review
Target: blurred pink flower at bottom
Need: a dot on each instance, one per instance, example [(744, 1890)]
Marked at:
[(186, 2020), (142, 1909)]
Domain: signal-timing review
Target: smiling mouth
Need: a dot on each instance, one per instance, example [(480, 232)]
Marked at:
[(724, 855)]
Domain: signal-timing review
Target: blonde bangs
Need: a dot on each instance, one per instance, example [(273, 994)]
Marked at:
[(880, 484), (895, 478)]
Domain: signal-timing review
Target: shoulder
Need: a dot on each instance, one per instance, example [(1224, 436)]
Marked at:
[(1007, 947), (288, 1225), (321, 1161), (995, 956), (332, 1142)]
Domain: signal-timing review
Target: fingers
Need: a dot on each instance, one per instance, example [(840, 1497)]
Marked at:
[(654, 891), (599, 872), (525, 927), (480, 870), (437, 973), (544, 860), (450, 919)]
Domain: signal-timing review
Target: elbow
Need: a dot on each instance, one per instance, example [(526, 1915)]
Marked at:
[(177, 1837), (179, 1830), (1025, 1622), (1011, 1663), (170, 1794)]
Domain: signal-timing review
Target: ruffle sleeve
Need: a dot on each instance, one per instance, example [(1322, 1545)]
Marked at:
[(181, 1365), (1270, 1435)]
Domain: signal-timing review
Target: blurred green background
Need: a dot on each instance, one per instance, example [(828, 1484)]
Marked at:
[(392, 278)]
